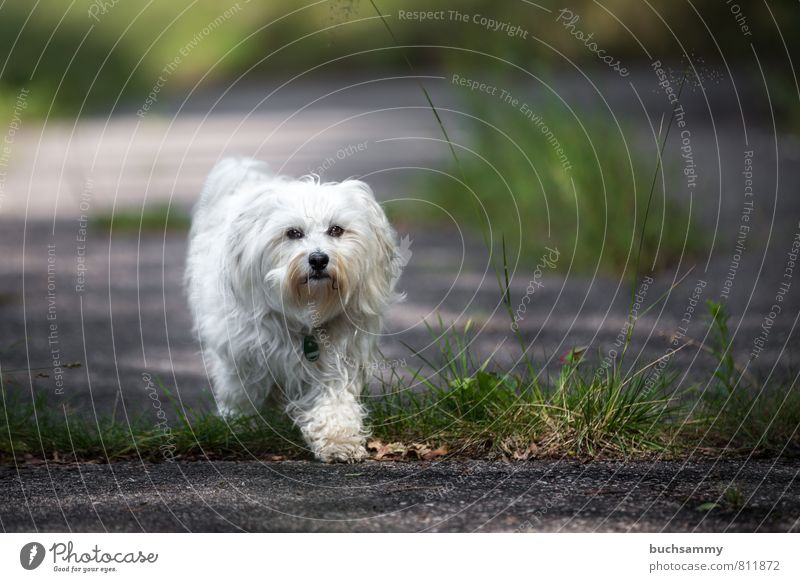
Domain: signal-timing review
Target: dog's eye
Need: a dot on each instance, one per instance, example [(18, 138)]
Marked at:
[(294, 233), (335, 231)]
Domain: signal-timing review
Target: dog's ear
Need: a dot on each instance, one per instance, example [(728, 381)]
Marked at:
[(238, 270), (376, 290)]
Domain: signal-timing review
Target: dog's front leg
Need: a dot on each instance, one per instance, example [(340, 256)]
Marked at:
[(332, 425), (235, 396)]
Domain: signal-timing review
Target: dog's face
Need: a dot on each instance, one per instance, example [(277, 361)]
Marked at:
[(314, 251)]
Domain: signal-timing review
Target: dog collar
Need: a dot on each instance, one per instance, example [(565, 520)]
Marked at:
[(310, 348)]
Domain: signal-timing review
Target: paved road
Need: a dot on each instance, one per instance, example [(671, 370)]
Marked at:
[(132, 318), (443, 496)]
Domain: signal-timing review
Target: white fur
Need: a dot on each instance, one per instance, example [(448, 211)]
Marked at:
[(252, 301)]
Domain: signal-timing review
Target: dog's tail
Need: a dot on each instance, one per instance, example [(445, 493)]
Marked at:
[(230, 175)]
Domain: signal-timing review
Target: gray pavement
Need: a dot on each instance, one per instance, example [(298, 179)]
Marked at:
[(131, 316), (445, 496)]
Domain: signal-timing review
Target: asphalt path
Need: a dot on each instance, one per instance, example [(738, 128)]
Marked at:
[(457, 496)]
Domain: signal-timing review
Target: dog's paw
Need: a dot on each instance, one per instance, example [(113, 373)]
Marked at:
[(340, 452)]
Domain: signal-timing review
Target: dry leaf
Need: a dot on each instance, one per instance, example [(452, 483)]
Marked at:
[(529, 452), (400, 451), (440, 452)]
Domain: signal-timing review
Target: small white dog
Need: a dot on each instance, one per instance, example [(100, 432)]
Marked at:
[(288, 281)]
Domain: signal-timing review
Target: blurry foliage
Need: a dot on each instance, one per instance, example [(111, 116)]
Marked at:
[(593, 210), (158, 218), (64, 55)]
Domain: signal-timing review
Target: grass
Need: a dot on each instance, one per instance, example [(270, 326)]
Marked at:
[(478, 411), (554, 185), (35, 427), (459, 405), (740, 413), (152, 219)]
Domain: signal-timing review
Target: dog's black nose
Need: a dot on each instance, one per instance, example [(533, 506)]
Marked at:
[(318, 260)]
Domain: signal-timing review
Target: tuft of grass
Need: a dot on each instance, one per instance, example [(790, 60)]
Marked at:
[(153, 219), (721, 347), (477, 410), (738, 412), (734, 497)]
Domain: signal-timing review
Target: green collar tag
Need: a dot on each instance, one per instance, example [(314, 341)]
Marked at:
[(311, 348)]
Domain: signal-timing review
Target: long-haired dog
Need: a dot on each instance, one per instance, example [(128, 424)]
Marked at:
[(288, 281)]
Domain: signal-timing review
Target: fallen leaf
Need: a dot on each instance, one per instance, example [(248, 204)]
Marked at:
[(400, 451), (440, 452), (389, 451), (529, 452), (416, 451)]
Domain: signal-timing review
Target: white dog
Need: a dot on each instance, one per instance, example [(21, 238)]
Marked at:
[(288, 281)]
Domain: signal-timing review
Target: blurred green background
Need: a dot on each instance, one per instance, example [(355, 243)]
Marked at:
[(88, 54)]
